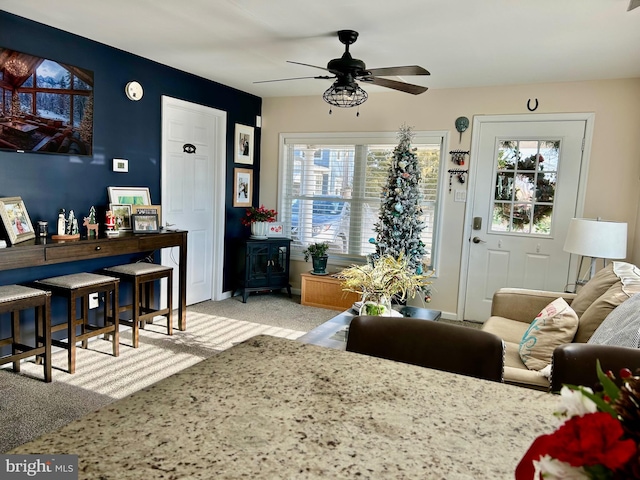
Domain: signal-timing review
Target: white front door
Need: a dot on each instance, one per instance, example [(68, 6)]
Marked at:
[(526, 190), (193, 182)]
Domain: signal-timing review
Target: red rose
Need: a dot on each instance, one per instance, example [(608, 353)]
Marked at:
[(592, 439)]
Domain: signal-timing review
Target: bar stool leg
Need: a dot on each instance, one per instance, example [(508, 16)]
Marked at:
[(15, 333), (116, 320), (170, 304), (136, 313), (71, 334), (44, 314), (84, 305)]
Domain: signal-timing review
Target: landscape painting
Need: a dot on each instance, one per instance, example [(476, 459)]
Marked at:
[(46, 106)]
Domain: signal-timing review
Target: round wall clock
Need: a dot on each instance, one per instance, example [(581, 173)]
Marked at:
[(134, 91)]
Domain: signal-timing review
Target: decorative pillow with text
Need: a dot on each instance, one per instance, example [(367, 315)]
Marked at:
[(555, 325)]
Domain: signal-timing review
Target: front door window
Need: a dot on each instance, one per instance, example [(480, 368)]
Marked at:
[(525, 185)]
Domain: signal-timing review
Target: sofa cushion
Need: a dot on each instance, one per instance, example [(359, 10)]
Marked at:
[(593, 289), (628, 284), (621, 327), (555, 325), (516, 372), (505, 328)]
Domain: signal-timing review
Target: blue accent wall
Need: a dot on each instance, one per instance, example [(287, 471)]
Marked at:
[(122, 129)]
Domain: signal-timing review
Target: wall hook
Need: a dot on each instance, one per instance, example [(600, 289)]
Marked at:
[(529, 105)]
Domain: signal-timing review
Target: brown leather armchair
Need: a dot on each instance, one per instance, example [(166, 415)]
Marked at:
[(430, 344), (575, 363)]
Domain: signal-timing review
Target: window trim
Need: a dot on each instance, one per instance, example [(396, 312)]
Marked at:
[(354, 138)]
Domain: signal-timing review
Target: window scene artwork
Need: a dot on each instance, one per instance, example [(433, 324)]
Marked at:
[(333, 193), (525, 186), (45, 106)]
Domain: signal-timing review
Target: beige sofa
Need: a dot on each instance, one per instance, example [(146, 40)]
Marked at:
[(513, 310)]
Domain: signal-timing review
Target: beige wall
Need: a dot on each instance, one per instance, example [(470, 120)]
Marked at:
[(613, 191)]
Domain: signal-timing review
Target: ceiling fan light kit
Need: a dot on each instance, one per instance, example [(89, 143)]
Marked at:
[(345, 91)]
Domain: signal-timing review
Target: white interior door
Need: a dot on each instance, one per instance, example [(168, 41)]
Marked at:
[(193, 173), (527, 178)]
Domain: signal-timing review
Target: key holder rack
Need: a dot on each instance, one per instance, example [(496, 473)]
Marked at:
[(461, 174), (457, 156)]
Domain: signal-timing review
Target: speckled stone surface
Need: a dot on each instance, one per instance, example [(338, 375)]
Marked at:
[(276, 408)]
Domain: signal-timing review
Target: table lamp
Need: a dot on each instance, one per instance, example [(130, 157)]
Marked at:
[(596, 238)]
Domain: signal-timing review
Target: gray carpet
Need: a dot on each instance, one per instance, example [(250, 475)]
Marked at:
[(29, 407)]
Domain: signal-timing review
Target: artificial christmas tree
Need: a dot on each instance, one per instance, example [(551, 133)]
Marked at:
[(400, 223)]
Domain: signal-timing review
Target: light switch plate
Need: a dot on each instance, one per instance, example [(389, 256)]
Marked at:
[(460, 196)]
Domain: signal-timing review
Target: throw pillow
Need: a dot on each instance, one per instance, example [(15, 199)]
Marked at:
[(589, 293), (627, 285), (621, 327), (555, 325)]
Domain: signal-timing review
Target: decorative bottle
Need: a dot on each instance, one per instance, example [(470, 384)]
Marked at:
[(61, 222)]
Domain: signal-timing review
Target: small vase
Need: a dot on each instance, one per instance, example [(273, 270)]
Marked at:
[(379, 308), (259, 229)]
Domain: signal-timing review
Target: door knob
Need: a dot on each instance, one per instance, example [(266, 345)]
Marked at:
[(478, 240)]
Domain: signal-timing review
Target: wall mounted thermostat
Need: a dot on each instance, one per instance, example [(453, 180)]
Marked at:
[(134, 91)]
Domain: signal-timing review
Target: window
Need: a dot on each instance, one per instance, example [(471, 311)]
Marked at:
[(526, 172), (331, 187)]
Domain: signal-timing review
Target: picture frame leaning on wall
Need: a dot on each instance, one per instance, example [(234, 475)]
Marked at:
[(16, 220)]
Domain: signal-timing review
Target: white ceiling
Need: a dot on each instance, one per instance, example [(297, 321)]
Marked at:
[(463, 43)]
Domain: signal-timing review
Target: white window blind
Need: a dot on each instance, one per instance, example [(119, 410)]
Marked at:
[(331, 186)]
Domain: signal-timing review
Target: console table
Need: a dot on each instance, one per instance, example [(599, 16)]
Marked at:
[(40, 252)]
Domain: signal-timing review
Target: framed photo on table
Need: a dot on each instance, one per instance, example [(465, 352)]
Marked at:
[(122, 213), (145, 223), (129, 195), (242, 187), (16, 219), (147, 210), (243, 144)]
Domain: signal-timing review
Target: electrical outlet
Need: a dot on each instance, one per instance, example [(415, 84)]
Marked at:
[(94, 300)]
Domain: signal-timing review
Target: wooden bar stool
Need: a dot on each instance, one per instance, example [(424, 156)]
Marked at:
[(80, 286), (142, 275), (14, 299)]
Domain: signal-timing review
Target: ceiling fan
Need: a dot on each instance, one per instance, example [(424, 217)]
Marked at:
[(347, 71)]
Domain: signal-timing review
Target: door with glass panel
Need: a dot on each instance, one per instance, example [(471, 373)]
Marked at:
[(526, 191)]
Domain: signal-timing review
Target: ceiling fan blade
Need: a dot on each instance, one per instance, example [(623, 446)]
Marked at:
[(323, 77), (398, 71), (307, 65), (633, 4), (401, 86)]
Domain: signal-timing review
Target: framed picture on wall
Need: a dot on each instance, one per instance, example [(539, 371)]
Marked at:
[(16, 219), (243, 144), (242, 187), (129, 195)]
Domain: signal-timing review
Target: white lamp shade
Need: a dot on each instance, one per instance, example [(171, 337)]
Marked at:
[(596, 238)]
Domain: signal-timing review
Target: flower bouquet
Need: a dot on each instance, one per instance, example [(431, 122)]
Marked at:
[(599, 438), (261, 214)]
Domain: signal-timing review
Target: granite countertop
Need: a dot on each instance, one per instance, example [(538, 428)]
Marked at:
[(276, 408)]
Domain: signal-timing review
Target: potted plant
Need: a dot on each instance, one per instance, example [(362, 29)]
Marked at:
[(318, 254), (381, 280), (258, 218)]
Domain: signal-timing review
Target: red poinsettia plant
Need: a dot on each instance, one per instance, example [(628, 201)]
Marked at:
[(599, 438), (261, 214)]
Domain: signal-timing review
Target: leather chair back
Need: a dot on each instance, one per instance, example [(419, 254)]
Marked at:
[(575, 363), (425, 343)]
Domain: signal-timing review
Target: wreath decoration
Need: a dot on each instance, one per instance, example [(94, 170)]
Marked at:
[(532, 212)]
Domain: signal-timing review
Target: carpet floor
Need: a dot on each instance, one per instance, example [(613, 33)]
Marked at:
[(29, 407)]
